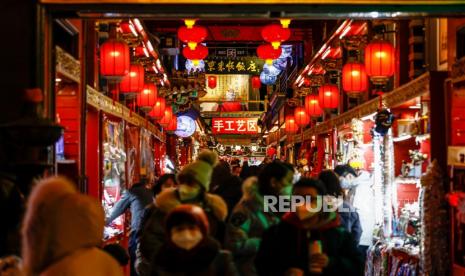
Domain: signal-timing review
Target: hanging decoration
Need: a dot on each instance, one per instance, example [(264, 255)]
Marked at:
[(146, 99), (380, 60), (168, 114), (212, 81), (127, 28), (354, 78), (329, 96), (285, 22), (275, 34), (200, 53), (312, 105), (383, 121), (301, 117), (141, 51), (114, 59), (192, 36), (133, 82), (268, 53), (256, 83), (291, 125), (158, 110)]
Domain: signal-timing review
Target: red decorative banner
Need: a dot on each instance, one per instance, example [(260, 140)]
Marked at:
[(234, 126)]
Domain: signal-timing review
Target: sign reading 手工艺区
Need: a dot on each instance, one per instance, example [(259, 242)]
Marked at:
[(234, 126)]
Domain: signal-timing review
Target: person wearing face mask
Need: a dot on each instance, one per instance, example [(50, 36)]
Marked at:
[(249, 220), (308, 241), (188, 249), (347, 176), (350, 218), (193, 184)]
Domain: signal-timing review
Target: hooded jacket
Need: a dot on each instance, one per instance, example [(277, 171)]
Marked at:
[(153, 234), (62, 230), (246, 225), (286, 245)]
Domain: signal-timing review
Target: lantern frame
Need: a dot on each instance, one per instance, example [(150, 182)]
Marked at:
[(114, 59), (380, 60)]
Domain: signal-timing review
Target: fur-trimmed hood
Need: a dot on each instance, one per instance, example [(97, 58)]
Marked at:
[(168, 199)]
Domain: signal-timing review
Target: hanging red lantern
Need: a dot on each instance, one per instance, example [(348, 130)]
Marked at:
[(158, 110), (312, 105), (275, 34), (147, 97), (173, 125), (114, 59), (290, 124), (134, 81), (301, 116), (192, 36), (196, 55), (380, 59), (168, 114), (354, 78), (256, 83), (268, 53), (141, 51), (212, 80), (329, 96), (127, 27)]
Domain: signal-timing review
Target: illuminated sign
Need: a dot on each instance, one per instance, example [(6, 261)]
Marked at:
[(234, 126), (186, 126)]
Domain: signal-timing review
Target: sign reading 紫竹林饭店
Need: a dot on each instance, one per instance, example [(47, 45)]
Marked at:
[(234, 126)]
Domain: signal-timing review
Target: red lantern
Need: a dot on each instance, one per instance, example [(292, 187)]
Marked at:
[(114, 59), (173, 125), (134, 81), (192, 36), (158, 110), (301, 116), (212, 82), (168, 114), (256, 83), (354, 78), (141, 51), (329, 96), (146, 99), (380, 59), (275, 34), (291, 126), (126, 27), (312, 105), (268, 53), (196, 55)]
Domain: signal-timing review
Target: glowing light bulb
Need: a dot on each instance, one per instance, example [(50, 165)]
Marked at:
[(115, 54)]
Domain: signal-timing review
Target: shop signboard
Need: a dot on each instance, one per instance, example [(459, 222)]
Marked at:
[(229, 65), (234, 126)]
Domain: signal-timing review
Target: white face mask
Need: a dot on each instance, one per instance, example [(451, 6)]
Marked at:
[(345, 183), (186, 239), (188, 192)]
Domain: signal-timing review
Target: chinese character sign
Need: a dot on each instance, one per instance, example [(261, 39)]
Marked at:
[(246, 65), (234, 126)]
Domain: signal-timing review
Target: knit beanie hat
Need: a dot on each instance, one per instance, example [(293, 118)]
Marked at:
[(201, 169), (187, 214)]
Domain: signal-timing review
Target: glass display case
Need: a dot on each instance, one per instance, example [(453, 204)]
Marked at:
[(114, 172)]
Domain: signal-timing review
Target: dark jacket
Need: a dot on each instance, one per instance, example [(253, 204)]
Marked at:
[(246, 226), (152, 235), (136, 198), (286, 245), (230, 190), (351, 221), (205, 260)]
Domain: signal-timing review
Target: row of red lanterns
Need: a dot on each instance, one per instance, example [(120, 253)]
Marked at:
[(193, 36), (274, 34)]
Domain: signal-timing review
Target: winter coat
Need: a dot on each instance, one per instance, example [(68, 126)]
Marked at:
[(286, 245), (207, 259), (230, 191), (136, 198), (153, 234), (351, 221), (246, 225), (62, 230)]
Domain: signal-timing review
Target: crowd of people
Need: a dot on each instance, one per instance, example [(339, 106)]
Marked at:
[(209, 219)]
